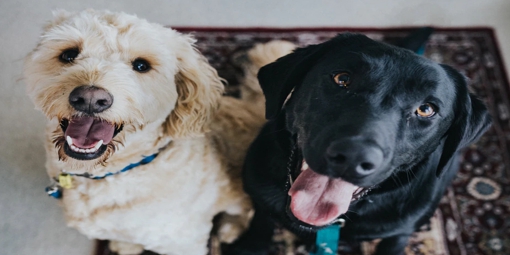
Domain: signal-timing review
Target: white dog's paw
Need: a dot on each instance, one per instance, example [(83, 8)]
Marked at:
[(123, 248)]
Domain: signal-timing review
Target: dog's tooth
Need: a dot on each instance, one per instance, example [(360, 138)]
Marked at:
[(69, 140), (81, 150), (98, 144), (304, 166), (73, 147), (88, 150)]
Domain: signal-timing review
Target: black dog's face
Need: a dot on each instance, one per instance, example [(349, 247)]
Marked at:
[(360, 114), (360, 111)]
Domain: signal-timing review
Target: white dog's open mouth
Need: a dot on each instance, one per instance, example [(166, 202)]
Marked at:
[(87, 137), (319, 200)]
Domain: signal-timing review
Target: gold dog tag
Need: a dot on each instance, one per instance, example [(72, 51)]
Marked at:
[(65, 181)]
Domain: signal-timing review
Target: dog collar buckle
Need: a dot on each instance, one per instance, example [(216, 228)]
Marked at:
[(65, 180)]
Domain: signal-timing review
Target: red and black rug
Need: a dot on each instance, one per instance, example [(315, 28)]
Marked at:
[(474, 215)]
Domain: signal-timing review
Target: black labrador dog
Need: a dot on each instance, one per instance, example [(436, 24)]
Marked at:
[(359, 130)]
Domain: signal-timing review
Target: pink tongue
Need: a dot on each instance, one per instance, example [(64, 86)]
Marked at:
[(87, 131), (318, 199)]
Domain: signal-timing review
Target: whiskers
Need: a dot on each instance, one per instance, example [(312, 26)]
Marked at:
[(405, 186)]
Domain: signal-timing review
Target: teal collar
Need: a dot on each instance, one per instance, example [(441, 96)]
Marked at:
[(327, 239)]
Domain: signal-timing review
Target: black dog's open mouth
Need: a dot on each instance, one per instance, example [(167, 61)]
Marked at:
[(87, 137), (316, 200)]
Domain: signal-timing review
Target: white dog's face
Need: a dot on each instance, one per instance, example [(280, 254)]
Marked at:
[(101, 74)]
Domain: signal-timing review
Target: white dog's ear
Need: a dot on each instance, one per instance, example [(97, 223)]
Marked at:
[(199, 89)]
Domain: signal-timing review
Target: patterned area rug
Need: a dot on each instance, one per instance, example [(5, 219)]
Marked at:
[(474, 215)]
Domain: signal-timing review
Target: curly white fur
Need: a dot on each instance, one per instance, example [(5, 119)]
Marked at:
[(168, 205)]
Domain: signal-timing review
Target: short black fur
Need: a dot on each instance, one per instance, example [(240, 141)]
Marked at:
[(375, 112)]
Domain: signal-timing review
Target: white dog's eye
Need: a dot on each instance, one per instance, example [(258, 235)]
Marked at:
[(69, 55), (141, 65)]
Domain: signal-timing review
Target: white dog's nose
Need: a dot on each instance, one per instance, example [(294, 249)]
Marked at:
[(90, 99)]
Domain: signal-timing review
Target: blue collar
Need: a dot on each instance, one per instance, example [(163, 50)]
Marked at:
[(145, 160), (64, 180)]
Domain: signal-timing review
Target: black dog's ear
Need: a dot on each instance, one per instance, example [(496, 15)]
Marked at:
[(277, 79), (416, 40), (471, 120)]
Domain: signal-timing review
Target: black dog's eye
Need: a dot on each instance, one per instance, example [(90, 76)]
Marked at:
[(69, 55), (141, 65), (425, 110), (342, 79)]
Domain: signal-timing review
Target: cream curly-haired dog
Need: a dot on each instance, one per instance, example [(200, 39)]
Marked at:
[(143, 148)]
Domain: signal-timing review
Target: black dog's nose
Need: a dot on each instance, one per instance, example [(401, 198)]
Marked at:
[(354, 157), (90, 99)]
